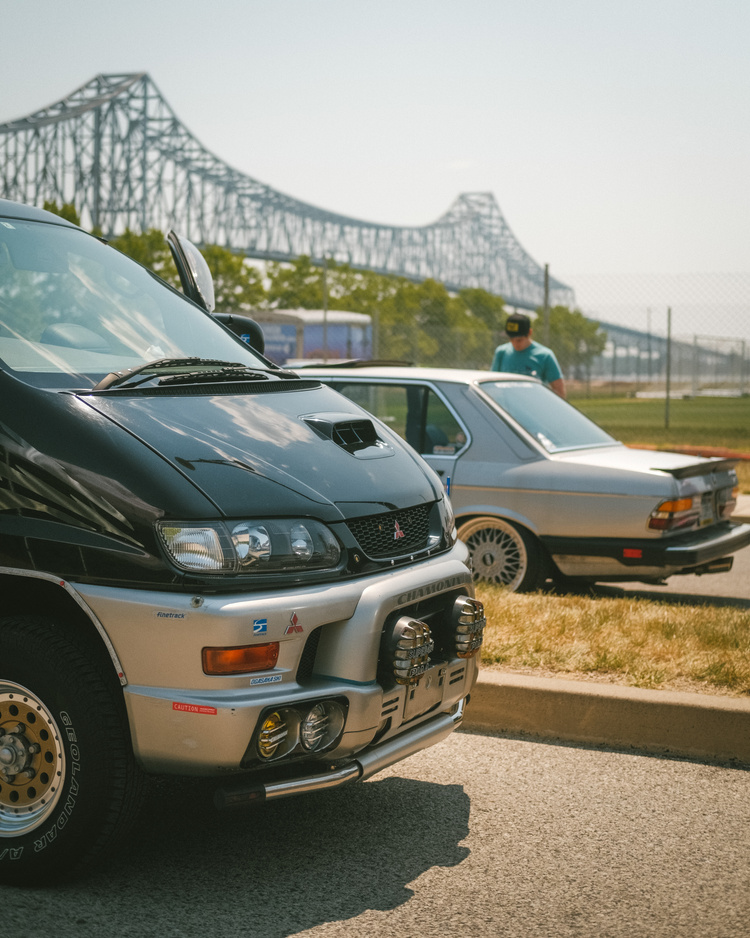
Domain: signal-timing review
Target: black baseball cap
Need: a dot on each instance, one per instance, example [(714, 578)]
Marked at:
[(517, 324)]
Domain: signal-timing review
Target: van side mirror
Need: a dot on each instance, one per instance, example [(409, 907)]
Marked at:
[(244, 327), (195, 277)]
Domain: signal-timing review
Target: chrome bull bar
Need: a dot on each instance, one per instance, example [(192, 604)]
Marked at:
[(363, 766)]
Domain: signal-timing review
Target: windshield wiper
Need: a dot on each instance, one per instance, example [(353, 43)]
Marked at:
[(178, 366), (227, 373)]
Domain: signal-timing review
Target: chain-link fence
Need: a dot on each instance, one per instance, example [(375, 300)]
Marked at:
[(692, 330), (693, 364), (436, 346)]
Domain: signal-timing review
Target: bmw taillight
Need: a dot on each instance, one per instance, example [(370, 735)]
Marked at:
[(674, 513)]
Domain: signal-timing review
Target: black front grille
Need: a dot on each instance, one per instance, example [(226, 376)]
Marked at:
[(393, 534)]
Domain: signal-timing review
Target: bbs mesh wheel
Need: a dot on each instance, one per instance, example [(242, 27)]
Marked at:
[(503, 553)]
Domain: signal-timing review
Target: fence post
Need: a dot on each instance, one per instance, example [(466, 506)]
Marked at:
[(694, 383), (614, 367), (669, 367)]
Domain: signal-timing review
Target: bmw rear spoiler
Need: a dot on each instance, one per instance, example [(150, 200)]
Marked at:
[(699, 468)]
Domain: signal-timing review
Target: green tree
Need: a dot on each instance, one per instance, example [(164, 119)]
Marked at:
[(487, 307), (575, 340), (298, 285), (238, 286), (67, 211), (423, 323), (360, 291), (151, 249)]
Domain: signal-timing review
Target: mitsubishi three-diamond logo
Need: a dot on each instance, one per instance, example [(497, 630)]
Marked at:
[(294, 625)]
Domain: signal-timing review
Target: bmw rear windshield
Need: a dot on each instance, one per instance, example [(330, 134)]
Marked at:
[(553, 423)]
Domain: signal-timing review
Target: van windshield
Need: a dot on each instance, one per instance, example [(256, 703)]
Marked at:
[(73, 309), (552, 422)]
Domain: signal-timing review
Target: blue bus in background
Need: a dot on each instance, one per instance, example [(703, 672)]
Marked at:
[(294, 335)]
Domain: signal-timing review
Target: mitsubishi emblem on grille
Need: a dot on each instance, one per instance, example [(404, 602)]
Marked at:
[(397, 533)]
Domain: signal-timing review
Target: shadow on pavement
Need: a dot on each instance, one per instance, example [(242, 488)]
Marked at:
[(267, 872)]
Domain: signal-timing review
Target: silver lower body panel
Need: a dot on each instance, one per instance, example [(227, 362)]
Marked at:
[(365, 765)]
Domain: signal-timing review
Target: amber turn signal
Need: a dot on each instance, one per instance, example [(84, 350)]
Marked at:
[(677, 504), (240, 659)]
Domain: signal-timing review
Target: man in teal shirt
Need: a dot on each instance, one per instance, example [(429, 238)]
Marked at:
[(523, 356)]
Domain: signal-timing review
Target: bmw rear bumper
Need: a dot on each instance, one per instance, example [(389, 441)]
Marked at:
[(631, 558)]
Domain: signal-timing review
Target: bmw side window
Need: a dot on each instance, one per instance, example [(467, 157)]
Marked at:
[(413, 411), (387, 402), (443, 435)]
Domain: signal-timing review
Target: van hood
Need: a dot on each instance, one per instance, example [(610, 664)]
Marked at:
[(277, 453)]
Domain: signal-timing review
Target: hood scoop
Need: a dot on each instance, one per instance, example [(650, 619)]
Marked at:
[(355, 435)]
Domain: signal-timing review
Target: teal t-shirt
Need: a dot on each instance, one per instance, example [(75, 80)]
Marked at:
[(537, 361)]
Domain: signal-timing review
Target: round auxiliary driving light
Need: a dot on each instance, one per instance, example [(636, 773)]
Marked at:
[(273, 732), (322, 725), (469, 622), (411, 645)]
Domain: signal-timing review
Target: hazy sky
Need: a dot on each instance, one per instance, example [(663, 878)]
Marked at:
[(614, 134)]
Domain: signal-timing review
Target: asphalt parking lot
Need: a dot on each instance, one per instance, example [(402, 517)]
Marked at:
[(481, 835)]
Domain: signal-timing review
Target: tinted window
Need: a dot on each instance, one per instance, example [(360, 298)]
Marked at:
[(413, 411), (546, 416)]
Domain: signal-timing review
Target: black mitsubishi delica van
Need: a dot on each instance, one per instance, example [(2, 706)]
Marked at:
[(208, 565)]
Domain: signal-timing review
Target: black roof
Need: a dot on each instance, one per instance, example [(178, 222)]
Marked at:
[(10, 209)]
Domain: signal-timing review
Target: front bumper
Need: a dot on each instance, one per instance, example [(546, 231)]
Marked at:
[(652, 557), (185, 722), (365, 764)]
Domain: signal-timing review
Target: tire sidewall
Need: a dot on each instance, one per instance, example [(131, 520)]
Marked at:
[(64, 837)]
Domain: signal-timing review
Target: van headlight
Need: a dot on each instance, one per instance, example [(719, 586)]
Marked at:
[(263, 546)]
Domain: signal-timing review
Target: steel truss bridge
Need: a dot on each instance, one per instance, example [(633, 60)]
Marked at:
[(115, 149)]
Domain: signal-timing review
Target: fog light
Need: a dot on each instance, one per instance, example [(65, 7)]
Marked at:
[(273, 733), (468, 616), (322, 726), (411, 645)]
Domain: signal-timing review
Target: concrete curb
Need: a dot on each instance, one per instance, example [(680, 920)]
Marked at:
[(714, 729)]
